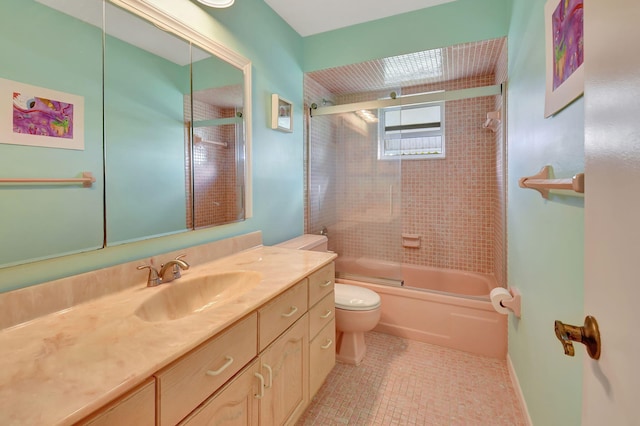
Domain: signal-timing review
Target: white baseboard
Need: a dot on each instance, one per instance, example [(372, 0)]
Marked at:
[(519, 395)]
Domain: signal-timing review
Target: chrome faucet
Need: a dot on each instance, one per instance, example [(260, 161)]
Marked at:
[(160, 277)]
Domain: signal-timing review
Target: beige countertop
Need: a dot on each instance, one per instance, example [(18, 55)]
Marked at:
[(60, 367)]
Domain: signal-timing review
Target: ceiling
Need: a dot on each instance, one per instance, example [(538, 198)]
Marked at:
[(430, 66), (310, 17)]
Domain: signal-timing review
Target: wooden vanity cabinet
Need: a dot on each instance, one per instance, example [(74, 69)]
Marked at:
[(263, 370), (322, 327)]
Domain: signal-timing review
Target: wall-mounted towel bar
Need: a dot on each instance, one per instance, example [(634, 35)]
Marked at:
[(198, 139), (541, 182), (86, 180)]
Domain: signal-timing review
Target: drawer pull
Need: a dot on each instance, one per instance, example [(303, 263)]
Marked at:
[(326, 284), (327, 345), (270, 370), (293, 310), (221, 369), (261, 378), (327, 314)]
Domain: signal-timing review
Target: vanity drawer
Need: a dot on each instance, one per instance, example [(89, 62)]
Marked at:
[(321, 314), (322, 357), (276, 316), (321, 283), (189, 381), (138, 407)]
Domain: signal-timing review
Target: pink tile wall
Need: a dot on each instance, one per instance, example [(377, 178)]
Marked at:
[(214, 169), (452, 203)]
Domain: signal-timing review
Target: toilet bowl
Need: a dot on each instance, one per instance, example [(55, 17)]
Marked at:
[(357, 311), (357, 308)]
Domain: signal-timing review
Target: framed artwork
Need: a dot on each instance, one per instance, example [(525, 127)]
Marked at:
[(37, 116), (281, 114), (564, 41)]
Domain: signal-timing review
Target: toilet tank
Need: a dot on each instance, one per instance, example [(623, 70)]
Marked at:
[(311, 242)]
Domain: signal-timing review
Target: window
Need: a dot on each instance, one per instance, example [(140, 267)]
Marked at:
[(411, 132)]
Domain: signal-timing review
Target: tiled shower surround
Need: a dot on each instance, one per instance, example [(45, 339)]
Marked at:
[(215, 173), (455, 204)]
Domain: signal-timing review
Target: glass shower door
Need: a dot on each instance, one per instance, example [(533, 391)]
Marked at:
[(357, 195)]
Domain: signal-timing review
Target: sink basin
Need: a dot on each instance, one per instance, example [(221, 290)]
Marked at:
[(189, 296)]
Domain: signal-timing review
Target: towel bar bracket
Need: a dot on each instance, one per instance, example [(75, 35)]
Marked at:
[(542, 183)]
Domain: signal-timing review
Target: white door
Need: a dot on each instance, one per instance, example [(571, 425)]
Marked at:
[(611, 386)]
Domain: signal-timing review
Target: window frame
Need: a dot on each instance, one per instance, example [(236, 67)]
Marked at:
[(382, 131)]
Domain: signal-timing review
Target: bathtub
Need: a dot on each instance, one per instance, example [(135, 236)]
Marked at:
[(439, 306)]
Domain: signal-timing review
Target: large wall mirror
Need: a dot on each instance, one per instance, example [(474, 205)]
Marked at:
[(174, 109)]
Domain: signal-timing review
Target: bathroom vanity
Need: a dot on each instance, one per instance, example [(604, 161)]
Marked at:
[(256, 352)]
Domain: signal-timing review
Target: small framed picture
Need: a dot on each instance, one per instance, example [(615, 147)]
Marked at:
[(39, 116), (281, 114), (564, 33)]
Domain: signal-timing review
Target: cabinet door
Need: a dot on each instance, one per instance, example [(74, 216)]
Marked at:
[(236, 404), (322, 357), (285, 366)]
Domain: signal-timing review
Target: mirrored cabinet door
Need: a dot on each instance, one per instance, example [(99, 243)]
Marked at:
[(51, 128), (146, 77), (218, 160)]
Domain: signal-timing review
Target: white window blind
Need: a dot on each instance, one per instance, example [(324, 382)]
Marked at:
[(412, 132)]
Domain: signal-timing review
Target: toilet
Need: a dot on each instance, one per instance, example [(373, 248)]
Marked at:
[(357, 308)]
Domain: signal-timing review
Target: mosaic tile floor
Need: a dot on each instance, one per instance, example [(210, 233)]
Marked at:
[(404, 382)]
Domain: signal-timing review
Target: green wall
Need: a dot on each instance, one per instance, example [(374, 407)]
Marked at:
[(545, 237), (144, 132), (452, 23)]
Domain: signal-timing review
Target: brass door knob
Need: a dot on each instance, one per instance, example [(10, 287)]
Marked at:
[(589, 335)]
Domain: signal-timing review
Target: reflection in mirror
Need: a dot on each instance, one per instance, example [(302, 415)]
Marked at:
[(47, 51), (58, 45), (147, 74), (150, 127), (218, 144)]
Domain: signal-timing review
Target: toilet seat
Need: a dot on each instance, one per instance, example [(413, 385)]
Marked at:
[(354, 298)]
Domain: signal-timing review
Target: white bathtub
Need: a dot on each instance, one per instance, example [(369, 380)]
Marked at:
[(439, 306)]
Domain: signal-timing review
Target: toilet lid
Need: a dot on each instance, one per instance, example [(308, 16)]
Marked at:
[(354, 298)]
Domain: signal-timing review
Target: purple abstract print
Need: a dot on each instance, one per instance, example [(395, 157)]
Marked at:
[(42, 117), (568, 39)]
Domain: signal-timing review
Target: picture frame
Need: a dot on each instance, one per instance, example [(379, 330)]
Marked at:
[(281, 114), (38, 116), (564, 48)]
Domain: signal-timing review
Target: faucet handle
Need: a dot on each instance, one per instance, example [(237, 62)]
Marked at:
[(153, 279)]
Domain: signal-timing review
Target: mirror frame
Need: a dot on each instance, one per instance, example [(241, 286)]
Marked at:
[(166, 22)]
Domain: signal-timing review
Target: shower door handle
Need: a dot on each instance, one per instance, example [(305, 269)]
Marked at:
[(390, 200)]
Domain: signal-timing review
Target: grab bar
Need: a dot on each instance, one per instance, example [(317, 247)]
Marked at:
[(541, 182), (87, 180)]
